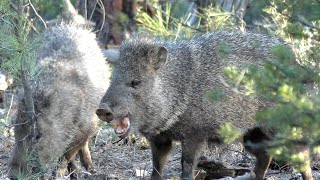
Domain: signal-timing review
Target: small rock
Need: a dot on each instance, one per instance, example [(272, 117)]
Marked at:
[(141, 173), (2, 112), (111, 55), (3, 82), (112, 177)]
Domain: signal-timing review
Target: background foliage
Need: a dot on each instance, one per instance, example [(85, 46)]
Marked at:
[(290, 81)]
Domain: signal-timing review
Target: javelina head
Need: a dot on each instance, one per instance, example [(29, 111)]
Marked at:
[(131, 97)]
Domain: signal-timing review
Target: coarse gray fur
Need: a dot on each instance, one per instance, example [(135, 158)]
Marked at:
[(171, 102), (73, 78)]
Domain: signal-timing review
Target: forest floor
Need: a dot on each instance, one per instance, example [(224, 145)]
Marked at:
[(133, 160)]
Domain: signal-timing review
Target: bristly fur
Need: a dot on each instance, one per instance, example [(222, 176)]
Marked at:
[(171, 103), (73, 77), (193, 68)]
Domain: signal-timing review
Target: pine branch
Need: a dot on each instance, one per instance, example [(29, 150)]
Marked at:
[(304, 22)]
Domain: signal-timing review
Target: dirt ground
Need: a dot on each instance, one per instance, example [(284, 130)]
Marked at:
[(133, 161), (119, 160)]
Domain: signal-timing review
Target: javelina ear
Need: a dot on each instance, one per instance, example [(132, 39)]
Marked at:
[(158, 56), (111, 55)]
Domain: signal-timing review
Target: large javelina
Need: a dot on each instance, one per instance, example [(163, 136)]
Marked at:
[(160, 88), (73, 76)]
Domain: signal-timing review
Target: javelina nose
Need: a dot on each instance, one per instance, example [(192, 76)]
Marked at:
[(104, 113)]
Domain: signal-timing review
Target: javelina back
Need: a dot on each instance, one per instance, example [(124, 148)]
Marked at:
[(161, 89), (73, 77)]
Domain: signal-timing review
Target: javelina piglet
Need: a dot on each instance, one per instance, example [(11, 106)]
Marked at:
[(72, 78), (160, 88)]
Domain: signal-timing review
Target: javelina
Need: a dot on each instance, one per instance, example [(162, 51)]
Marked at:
[(160, 88), (73, 76)]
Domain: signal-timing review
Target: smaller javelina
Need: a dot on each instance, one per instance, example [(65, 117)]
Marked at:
[(73, 76), (161, 89)]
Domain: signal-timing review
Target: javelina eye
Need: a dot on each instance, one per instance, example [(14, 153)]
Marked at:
[(135, 83)]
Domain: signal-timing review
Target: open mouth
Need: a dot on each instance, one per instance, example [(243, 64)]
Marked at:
[(121, 126)]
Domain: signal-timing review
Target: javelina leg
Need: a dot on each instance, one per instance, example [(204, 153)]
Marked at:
[(191, 149), (160, 146), (61, 168), (72, 168), (67, 162), (70, 158), (85, 158), (251, 142), (262, 163)]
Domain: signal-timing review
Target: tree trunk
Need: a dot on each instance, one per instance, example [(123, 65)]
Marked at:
[(24, 160), (113, 18)]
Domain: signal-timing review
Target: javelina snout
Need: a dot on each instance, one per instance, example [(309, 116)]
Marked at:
[(104, 112), (120, 124)]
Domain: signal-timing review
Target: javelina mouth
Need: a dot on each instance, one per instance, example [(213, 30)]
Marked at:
[(121, 126)]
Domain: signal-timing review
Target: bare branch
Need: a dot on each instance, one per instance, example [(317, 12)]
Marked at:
[(10, 107), (103, 17), (18, 124), (35, 11), (300, 19), (304, 22), (94, 8), (86, 9)]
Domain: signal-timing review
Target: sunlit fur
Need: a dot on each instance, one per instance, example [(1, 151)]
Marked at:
[(73, 78)]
